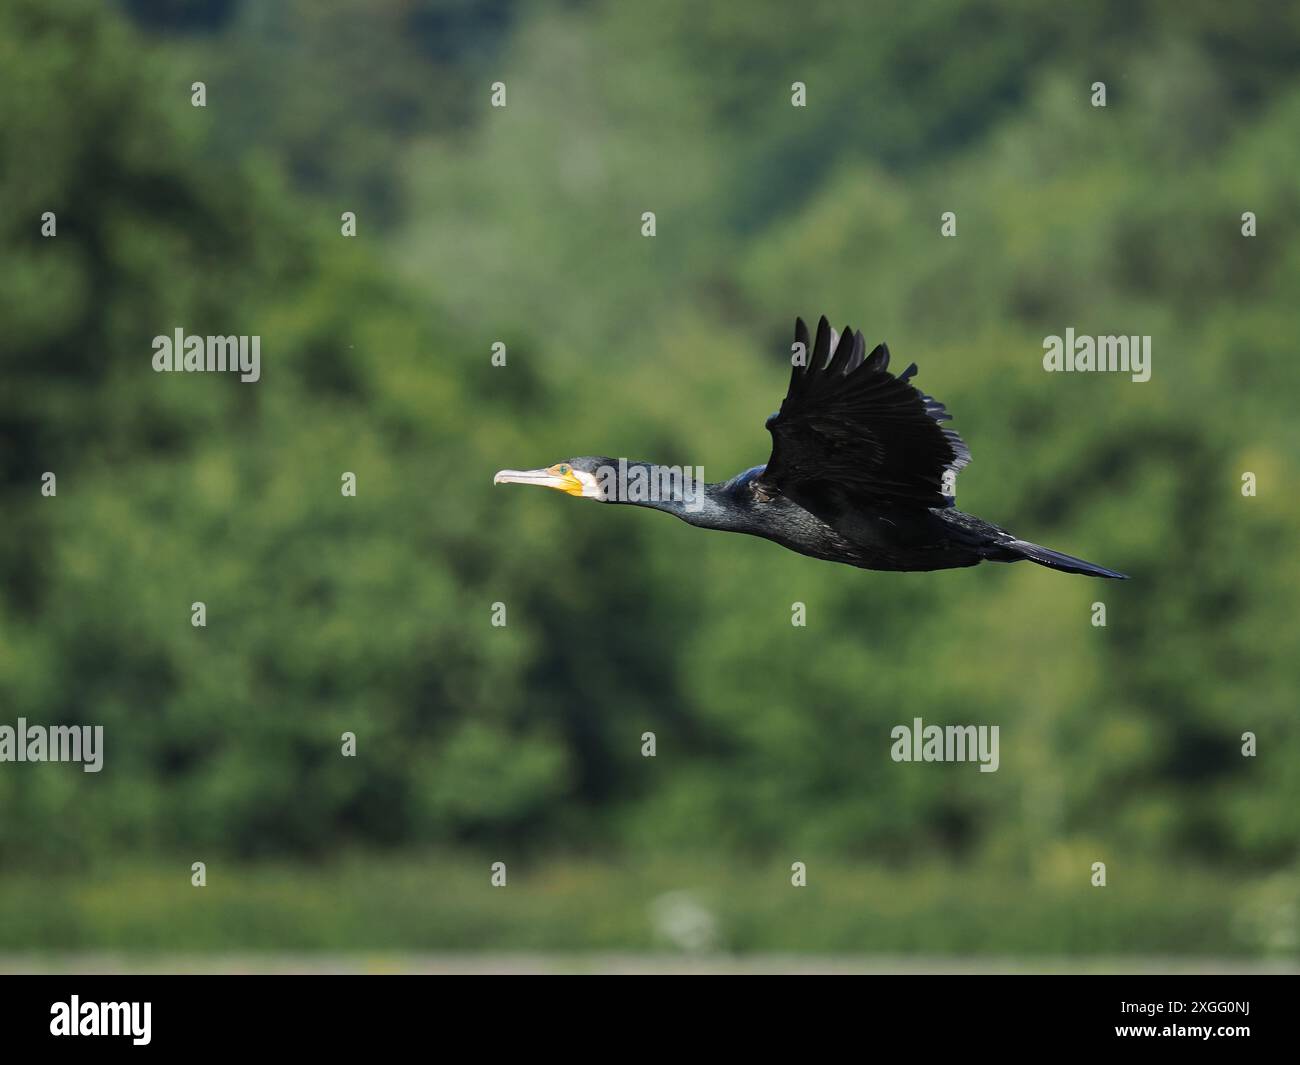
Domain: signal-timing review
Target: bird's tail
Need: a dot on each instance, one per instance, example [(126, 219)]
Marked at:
[(1045, 556)]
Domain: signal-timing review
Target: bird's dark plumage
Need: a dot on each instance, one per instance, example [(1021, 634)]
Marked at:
[(848, 422), (862, 472)]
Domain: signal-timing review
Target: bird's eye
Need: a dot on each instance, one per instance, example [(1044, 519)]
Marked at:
[(563, 469)]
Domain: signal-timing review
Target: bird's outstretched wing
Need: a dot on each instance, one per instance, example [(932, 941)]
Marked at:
[(847, 422)]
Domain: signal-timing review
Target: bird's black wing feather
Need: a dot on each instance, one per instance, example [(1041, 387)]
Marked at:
[(846, 421)]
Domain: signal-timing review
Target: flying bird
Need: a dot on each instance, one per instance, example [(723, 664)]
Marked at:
[(861, 472)]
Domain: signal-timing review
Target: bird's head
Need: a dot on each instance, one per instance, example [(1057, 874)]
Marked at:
[(578, 477)]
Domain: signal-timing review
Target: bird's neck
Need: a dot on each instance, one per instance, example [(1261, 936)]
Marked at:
[(679, 490)]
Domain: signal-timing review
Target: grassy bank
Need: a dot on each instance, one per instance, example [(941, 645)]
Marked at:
[(691, 904)]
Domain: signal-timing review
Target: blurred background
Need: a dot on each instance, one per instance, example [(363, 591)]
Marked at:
[(522, 744)]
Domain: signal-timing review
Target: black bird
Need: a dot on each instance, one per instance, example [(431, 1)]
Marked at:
[(861, 472)]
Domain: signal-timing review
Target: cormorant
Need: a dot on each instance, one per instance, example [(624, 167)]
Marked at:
[(861, 472)]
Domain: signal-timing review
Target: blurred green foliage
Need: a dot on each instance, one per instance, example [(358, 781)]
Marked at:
[(648, 903), (329, 614)]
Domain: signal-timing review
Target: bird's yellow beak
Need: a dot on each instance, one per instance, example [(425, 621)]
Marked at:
[(559, 476)]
